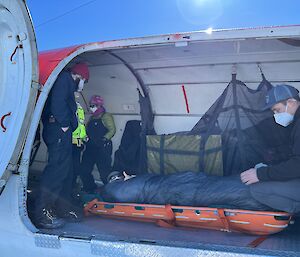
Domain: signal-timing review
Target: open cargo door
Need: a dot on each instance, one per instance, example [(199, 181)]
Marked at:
[(18, 86)]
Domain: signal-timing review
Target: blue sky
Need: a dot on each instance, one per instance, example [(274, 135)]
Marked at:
[(61, 23)]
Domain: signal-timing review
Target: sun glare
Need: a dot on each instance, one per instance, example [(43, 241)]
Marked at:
[(209, 31), (199, 2), (200, 12)]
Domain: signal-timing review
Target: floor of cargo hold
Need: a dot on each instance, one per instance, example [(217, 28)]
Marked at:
[(133, 231)]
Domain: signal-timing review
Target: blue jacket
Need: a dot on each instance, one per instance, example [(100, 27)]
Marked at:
[(61, 102)]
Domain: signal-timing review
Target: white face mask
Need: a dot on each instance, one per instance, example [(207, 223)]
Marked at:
[(284, 118), (80, 85), (93, 109)]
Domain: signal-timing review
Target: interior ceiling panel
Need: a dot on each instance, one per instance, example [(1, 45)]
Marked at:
[(97, 58), (291, 41), (192, 50)]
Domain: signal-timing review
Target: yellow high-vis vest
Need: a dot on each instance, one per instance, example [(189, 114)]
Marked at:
[(79, 135)]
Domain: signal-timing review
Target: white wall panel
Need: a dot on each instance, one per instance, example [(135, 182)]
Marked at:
[(170, 99), (171, 124), (116, 84)]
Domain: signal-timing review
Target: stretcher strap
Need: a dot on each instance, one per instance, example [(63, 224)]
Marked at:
[(223, 219), (161, 155), (170, 212), (165, 224), (257, 241), (170, 223)]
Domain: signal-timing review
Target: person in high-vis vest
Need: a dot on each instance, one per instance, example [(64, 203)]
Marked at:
[(79, 137), (100, 129)]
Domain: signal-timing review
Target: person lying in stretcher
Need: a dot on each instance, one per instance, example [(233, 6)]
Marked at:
[(183, 189)]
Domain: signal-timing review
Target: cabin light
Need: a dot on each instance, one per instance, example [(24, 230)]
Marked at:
[(181, 44), (208, 31)]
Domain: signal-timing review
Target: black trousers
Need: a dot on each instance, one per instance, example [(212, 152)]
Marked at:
[(280, 195), (56, 181), (99, 155), (76, 154)]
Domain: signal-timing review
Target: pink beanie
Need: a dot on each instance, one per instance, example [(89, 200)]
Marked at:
[(97, 100)]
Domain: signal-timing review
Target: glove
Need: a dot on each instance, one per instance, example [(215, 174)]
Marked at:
[(106, 142), (102, 142)]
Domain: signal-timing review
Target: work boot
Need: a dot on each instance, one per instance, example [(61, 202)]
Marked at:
[(48, 220)]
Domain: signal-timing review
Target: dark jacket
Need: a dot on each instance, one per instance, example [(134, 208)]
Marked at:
[(100, 129), (61, 102), (289, 169)]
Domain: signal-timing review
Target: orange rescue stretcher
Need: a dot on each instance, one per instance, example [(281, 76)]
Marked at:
[(250, 222)]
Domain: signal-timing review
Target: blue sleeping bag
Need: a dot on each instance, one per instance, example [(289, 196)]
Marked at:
[(184, 189)]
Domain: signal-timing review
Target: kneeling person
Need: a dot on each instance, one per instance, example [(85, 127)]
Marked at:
[(278, 186)]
